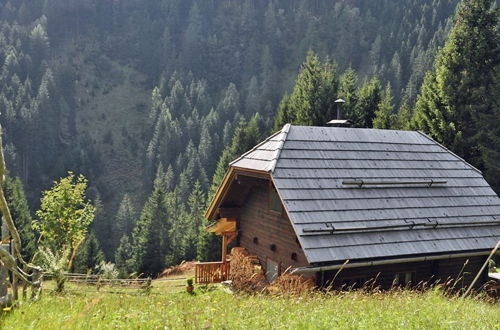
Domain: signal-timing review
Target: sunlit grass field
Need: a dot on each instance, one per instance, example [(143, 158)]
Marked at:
[(169, 306)]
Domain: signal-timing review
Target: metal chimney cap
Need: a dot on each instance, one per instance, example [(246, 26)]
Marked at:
[(340, 122), (339, 101)]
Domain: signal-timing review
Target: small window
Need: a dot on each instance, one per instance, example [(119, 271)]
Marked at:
[(404, 278), (256, 240), (294, 256), (274, 201)]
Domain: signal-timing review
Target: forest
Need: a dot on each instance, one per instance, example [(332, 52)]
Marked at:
[(150, 100)]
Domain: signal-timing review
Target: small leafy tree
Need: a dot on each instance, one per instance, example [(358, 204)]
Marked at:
[(65, 215)]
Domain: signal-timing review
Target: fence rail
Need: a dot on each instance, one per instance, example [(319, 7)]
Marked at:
[(127, 283)]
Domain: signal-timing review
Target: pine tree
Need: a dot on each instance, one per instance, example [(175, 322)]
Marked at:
[(283, 116), (384, 118), (245, 137), (16, 199), (195, 229), (89, 256), (312, 99), (124, 257), (150, 235), (125, 218), (404, 117), (456, 102), (101, 226), (179, 228), (348, 92), (252, 100), (490, 139), (369, 96)]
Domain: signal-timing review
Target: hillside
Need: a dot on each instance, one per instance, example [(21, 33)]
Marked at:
[(150, 101), (114, 89)]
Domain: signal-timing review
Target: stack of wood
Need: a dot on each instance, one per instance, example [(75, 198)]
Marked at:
[(246, 271)]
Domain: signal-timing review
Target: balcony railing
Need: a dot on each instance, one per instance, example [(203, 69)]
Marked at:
[(212, 272)]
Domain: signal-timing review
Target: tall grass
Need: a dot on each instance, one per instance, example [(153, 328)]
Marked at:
[(220, 309)]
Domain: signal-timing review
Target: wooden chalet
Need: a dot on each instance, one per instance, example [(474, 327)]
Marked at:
[(394, 206)]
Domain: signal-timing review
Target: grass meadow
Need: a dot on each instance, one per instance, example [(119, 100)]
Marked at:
[(169, 306)]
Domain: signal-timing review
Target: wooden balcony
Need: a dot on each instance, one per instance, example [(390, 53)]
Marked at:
[(212, 272)]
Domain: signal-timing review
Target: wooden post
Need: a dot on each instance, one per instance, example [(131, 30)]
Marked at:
[(224, 247), (14, 279), (3, 270), (482, 269)]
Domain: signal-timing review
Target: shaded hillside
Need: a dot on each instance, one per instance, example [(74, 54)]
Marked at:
[(113, 89)]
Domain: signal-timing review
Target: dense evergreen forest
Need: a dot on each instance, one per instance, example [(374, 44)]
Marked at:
[(150, 100)]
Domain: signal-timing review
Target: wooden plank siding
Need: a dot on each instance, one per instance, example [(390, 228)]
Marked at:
[(426, 271), (268, 227)]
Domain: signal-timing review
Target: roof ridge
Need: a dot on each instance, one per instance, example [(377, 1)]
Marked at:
[(277, 152), (451, 152), (254, 148)]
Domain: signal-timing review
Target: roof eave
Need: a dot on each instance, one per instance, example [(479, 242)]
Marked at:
[(385, 261)]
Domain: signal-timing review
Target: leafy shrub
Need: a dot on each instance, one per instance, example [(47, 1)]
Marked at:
[(55, 264), (491, 266), (107, 270)]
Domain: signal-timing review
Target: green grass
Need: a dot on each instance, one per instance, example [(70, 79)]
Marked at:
[(218, 309)]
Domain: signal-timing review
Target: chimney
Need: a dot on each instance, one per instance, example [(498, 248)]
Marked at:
[(339, 104), (339, 122)]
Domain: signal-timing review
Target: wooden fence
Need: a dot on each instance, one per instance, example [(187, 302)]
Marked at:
[(140, 284), (212, 272)]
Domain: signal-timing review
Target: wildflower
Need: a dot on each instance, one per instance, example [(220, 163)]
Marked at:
[(6, 309)]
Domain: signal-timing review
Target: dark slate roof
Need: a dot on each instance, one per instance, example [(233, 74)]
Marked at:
[(354, 193)]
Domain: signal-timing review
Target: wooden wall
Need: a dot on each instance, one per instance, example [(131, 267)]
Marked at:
[(429, 271), (268, 227)]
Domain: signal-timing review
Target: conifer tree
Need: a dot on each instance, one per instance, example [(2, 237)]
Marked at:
[(369, 96), (245, 137), (348, 92), (456, 104), (89, 255), (384, 118), (19, 209), (150, 235), (124, 257), (196, 204), (404, 117), (490, 140), (311, 102), (125, 218), (178, 228), (283, 116)]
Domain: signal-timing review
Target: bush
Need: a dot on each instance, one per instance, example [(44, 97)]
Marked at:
[(55, 264), (491, 266), (107, 270)]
